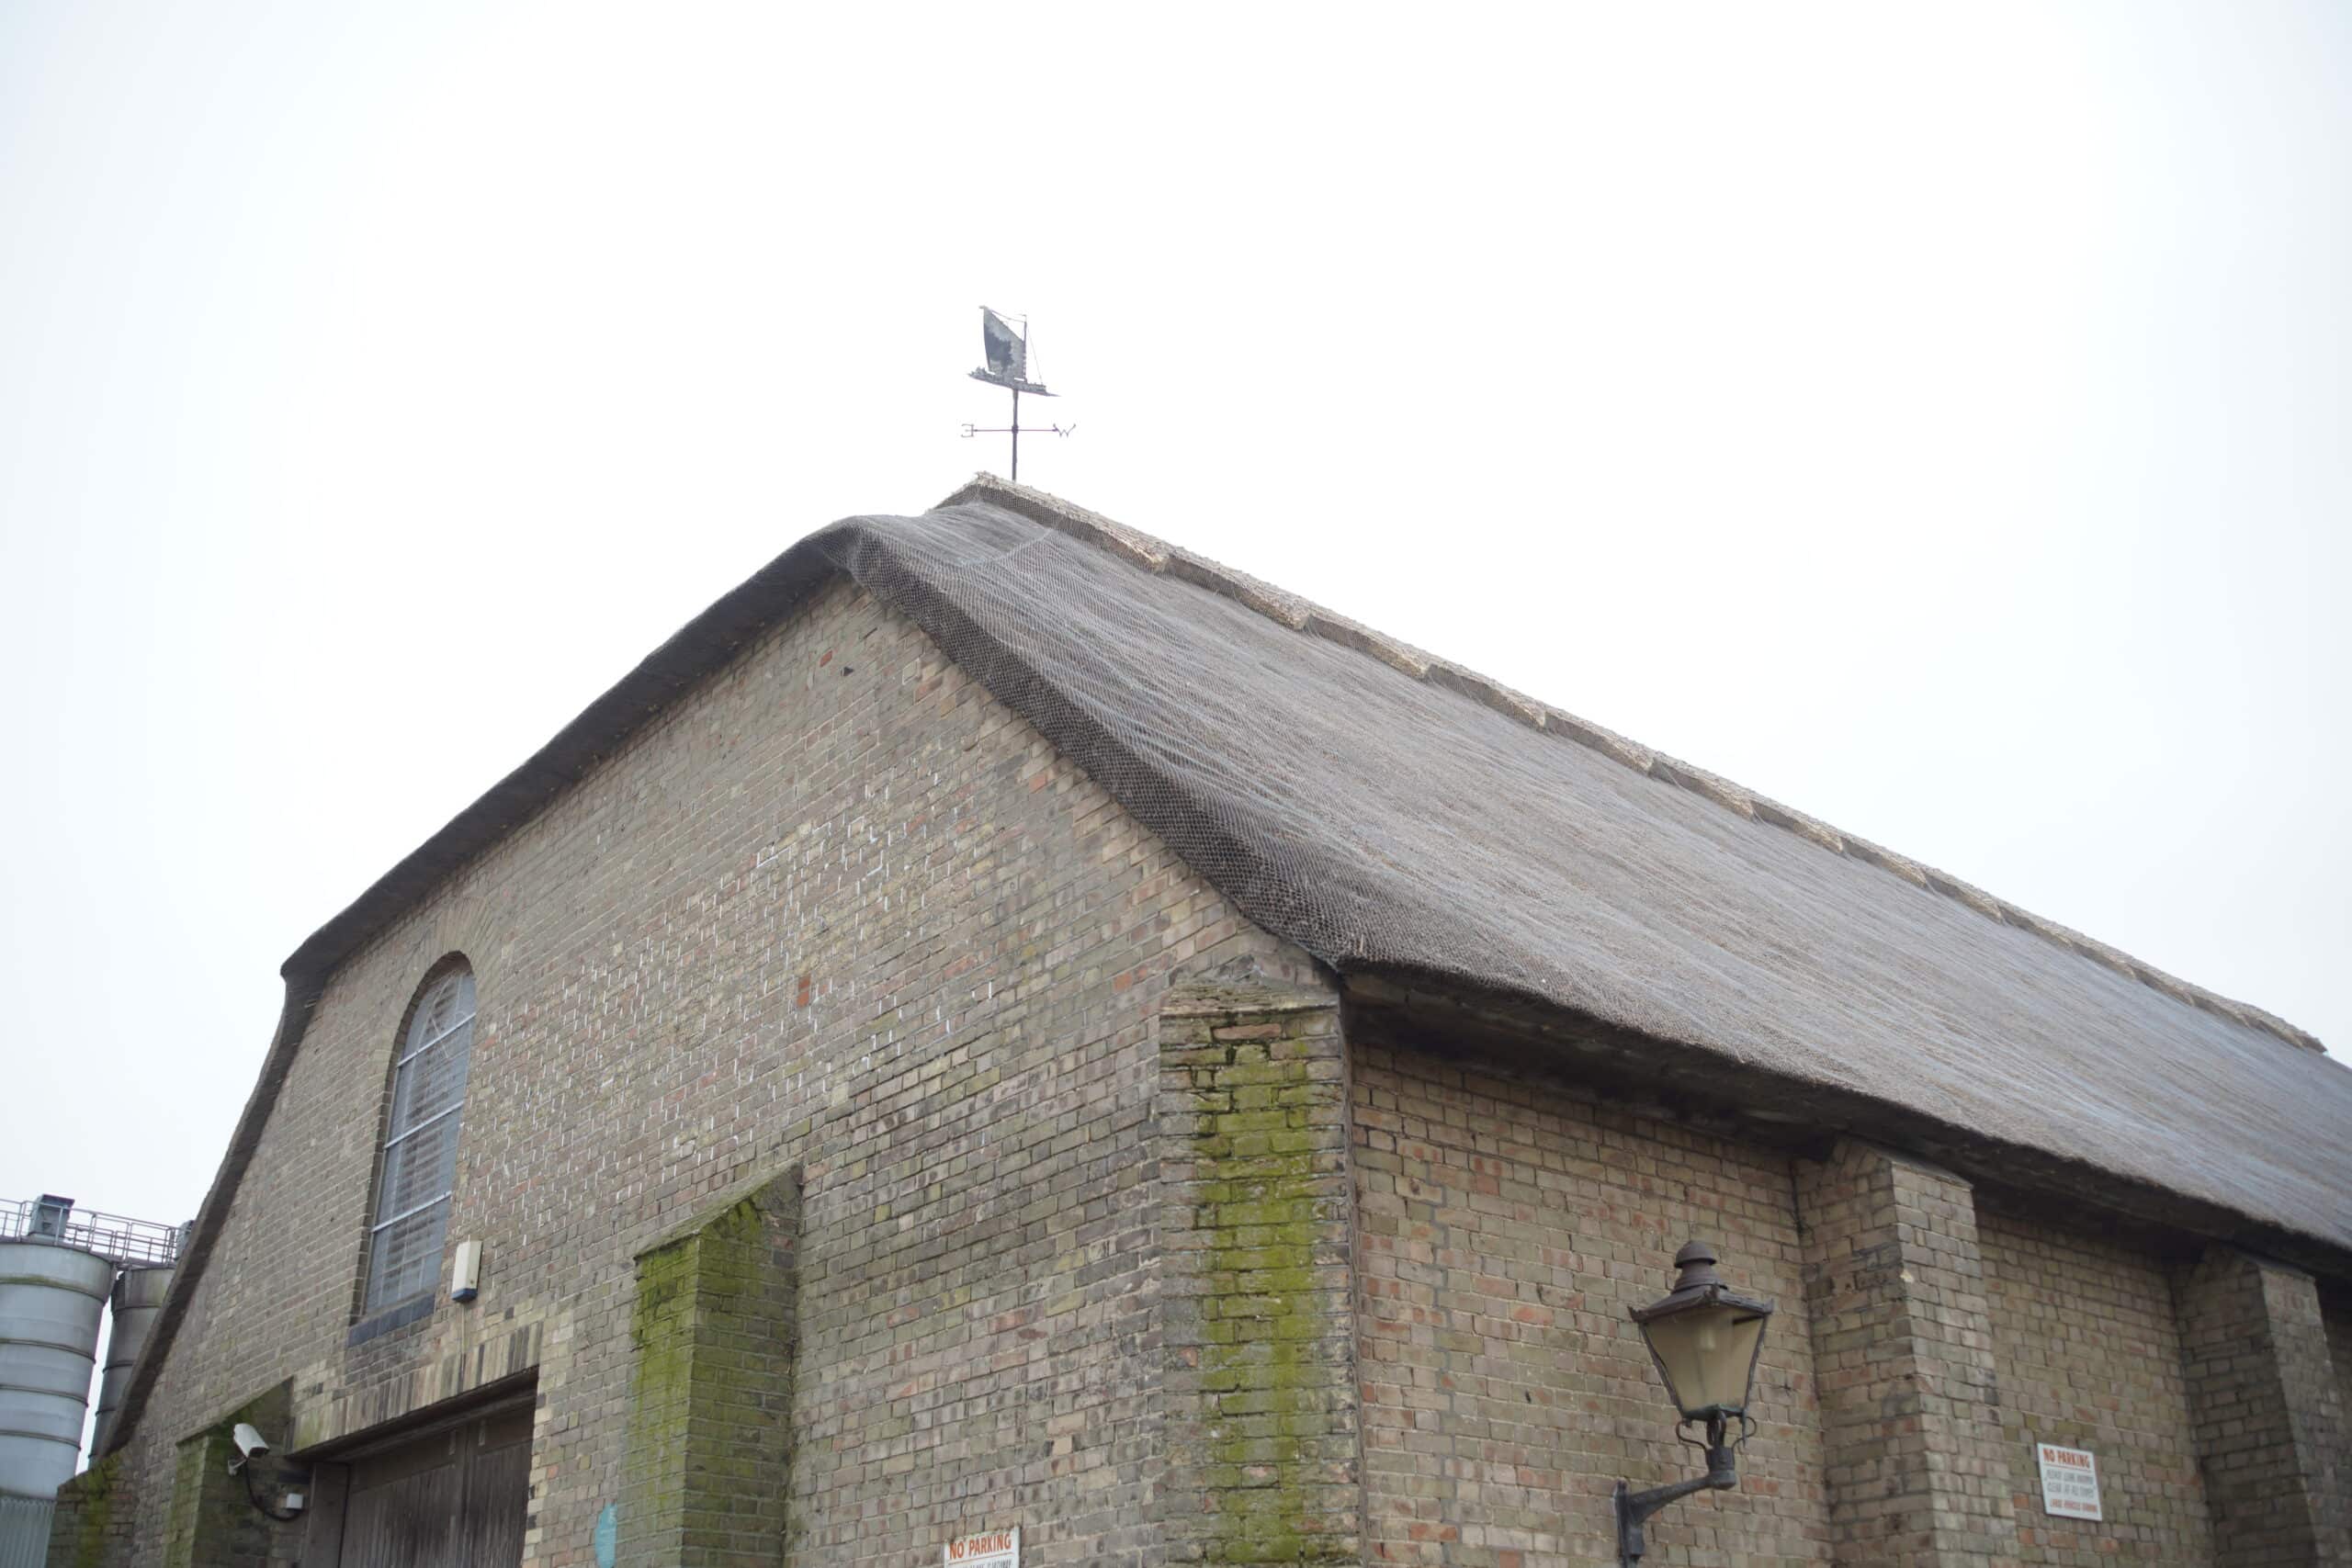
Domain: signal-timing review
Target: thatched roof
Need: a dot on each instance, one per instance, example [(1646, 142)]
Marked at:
[(1386, 809), (1394, 814)]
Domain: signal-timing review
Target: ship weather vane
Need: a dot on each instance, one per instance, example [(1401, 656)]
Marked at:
[(1008, 366)]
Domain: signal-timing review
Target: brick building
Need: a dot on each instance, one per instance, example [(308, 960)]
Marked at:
[(1002, 1024)]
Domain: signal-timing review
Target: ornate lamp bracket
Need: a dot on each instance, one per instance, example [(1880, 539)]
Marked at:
[(1635, 1508)]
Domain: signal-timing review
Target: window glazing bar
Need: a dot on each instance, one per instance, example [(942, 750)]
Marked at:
[(420, 1126), (407, 1213), (437, 1040)]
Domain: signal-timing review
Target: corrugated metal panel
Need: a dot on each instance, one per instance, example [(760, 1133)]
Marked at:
[(24, 1530)]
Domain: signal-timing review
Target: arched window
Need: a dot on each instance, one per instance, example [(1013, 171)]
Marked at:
[(419, 1160)]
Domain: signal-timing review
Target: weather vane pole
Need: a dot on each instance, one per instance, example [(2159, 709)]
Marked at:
[(1008, 366)]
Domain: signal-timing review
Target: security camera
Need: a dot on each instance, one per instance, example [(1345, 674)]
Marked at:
[(250, 1443)]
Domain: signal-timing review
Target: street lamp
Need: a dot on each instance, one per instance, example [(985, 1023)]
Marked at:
[(1706, 1339)]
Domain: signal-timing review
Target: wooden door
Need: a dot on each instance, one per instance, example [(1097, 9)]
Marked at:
[(455, 1498)]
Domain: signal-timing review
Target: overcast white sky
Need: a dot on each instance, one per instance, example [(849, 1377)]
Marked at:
[(1934, 417)]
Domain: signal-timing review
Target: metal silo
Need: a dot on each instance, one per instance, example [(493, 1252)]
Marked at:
[(137, 1297), (57, 1264), (51, 1296)]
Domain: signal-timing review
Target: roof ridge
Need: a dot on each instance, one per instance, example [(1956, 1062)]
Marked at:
[(1300, 614)]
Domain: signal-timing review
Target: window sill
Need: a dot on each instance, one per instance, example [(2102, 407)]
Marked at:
[(392, 1317)]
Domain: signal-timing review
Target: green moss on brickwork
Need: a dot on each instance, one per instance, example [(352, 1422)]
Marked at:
[(1259, 1190), (212, 1523), (188, 1503), (88, 1501), (661, 1332), (710, 1325)]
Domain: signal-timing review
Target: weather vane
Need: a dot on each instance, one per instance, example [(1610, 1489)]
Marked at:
[(1008, 366)]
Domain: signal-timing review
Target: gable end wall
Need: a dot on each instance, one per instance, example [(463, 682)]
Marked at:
[(836, 909)]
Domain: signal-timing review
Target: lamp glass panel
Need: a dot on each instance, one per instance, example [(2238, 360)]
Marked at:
[(1708, 1353)]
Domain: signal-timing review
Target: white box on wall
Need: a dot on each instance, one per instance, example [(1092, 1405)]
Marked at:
[(465, 1274)]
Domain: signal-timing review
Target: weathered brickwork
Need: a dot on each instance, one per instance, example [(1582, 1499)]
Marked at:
[(1919, 1468), (2335, 1311), (835, 908), (87, 1529), (1261, 1442), (710, 1413), (1508, 1223), (2088, 1355), (211, 1521), (2266, 1411)]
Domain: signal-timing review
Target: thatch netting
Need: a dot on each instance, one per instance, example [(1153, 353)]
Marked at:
[(1381, 808)]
